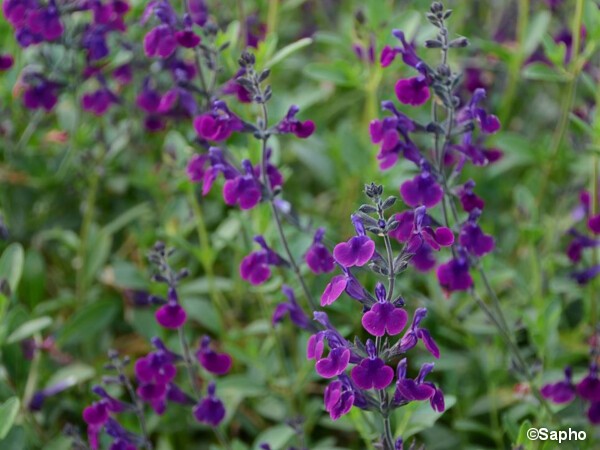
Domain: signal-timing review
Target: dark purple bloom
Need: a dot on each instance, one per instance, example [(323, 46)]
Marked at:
[(149, 98), (99, 101), (421, 190), (217, 363), (210, 410), (318, 257), (123, 74), (384, 316), (177, 100), (392, 134), (341, 283), (372, 373), (589, 387), (561, 391), (454, 275), (388, 54), (593, 413), (473, 239), (6, 61), (171, 315), (43, 94), (412, 336), (357, 251), (578, 244), (414, 229), (338, 399), (334, 364), (594, 224), (198, 11), (487, 122), (423, 260), (156, 367), (407, 51), (468, 199), (290, 124), (291, 307), (196, 168), (244, 190), (408, 390), (160, 42), (255, 267), (218, 124), (413, 91), (187, 38)]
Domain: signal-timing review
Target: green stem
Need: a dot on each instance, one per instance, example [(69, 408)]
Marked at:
[(272, 15), (516, 62)]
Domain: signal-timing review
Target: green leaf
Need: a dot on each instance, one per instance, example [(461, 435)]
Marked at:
[(8, 413), (29, 328), (11, 265), (541, 72), (277, 437), (126, 218), (97, 253), (340, 73), (535, 32), (287, 51), (33, 283), (72, 374), (88, 322)]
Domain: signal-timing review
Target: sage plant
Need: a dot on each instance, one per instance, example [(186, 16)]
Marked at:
[(458, 139), (156, 374), (384, 316)]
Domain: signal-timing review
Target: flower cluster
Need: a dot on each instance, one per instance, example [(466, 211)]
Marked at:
[(384, 314), (430, 186), (246, 183), (584, 238), (587, 389), (156, 374)]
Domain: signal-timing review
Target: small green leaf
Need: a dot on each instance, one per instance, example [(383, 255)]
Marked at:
[(287, 51), (72, 374), (535, 32), (88, 322), (29, 328), (8, 413), (541, 72), (11, 265)]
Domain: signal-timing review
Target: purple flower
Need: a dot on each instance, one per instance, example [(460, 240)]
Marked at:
[(123, 74), (407, 51), (414, 228), (217, 363), (187, 38), (392, 134), (473, 239), (454, 275), (341, 283), (210, 410), (196, 168), (290, 124), (156, 367), (218, 124), (423, 260), (578, 244), (468, 199), (357, 251), (198, 11), (160, 42), (318, 257), (561, 391), (255, 267), (412, 336), (334, 364), (589, 387), (384, 316), (488, 123), (338, 399), (408, 390), (149, 98), (171, 315), (177, 100), (371, 372), (291, 307), (421, 190), (99, 101), (593, 413), (413, 91), (43, 94), (6, 61), (244, 190)]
